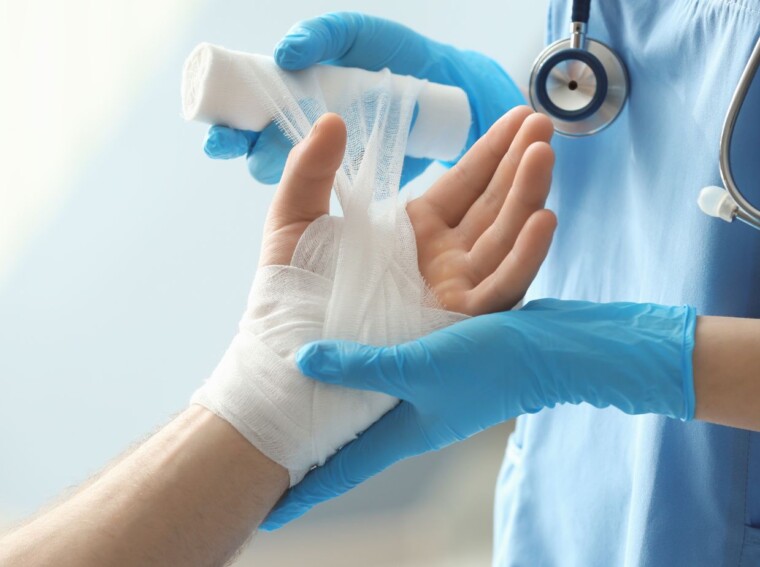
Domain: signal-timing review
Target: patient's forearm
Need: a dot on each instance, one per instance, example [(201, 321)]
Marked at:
[(190, 495)]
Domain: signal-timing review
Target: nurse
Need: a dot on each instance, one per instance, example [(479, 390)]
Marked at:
[(673, 478)]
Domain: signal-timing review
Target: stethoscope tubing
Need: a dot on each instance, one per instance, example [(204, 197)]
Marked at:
[(745, 211)]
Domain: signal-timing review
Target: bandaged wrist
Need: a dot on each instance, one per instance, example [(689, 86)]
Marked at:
[(257, 388)]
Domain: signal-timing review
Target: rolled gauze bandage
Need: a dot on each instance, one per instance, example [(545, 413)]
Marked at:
[(219, 86)]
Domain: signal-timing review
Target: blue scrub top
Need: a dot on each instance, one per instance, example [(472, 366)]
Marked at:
[(588, 487)]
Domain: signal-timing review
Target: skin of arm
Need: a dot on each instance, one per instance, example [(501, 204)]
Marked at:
[(190, 495), (727, 371)]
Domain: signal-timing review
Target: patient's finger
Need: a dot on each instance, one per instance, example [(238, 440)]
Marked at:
[(509, 282), (453, 194), (479, 217), (527, 195), (304, 192)]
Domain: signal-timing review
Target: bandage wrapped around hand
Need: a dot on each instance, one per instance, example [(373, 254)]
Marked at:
[(258, 388), (353, 277)]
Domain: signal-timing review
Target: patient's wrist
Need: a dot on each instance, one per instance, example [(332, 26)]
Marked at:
[(229, 443), (258, 389)]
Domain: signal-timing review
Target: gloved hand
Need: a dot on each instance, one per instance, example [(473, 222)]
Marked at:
[(467, 377), (351, 39)]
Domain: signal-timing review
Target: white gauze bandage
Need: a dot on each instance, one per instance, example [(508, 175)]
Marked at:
[(353, 277)]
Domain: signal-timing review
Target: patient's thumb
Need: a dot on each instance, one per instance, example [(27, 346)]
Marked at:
[(309, 174)]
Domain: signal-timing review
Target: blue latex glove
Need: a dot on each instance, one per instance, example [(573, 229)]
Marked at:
[(351, 39), (482, 371)]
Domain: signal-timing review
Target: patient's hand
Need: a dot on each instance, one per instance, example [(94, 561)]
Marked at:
[(481, 229)]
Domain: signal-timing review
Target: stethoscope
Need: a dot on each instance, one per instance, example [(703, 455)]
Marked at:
[(582, 85)]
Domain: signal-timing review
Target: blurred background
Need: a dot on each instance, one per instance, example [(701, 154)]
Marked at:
[(126, 256)]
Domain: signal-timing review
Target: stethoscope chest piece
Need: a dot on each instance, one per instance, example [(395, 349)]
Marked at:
[(582, 89)]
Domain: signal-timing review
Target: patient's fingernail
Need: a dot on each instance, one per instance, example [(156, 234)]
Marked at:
[(314, 127)]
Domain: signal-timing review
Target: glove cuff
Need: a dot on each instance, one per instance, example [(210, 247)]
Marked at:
[(687, 362), (636, 357)]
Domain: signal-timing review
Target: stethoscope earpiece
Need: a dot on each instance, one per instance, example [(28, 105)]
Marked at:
[(580, 83), (730, 203)]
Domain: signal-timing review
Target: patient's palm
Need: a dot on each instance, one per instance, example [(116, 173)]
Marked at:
[(481, 230)]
